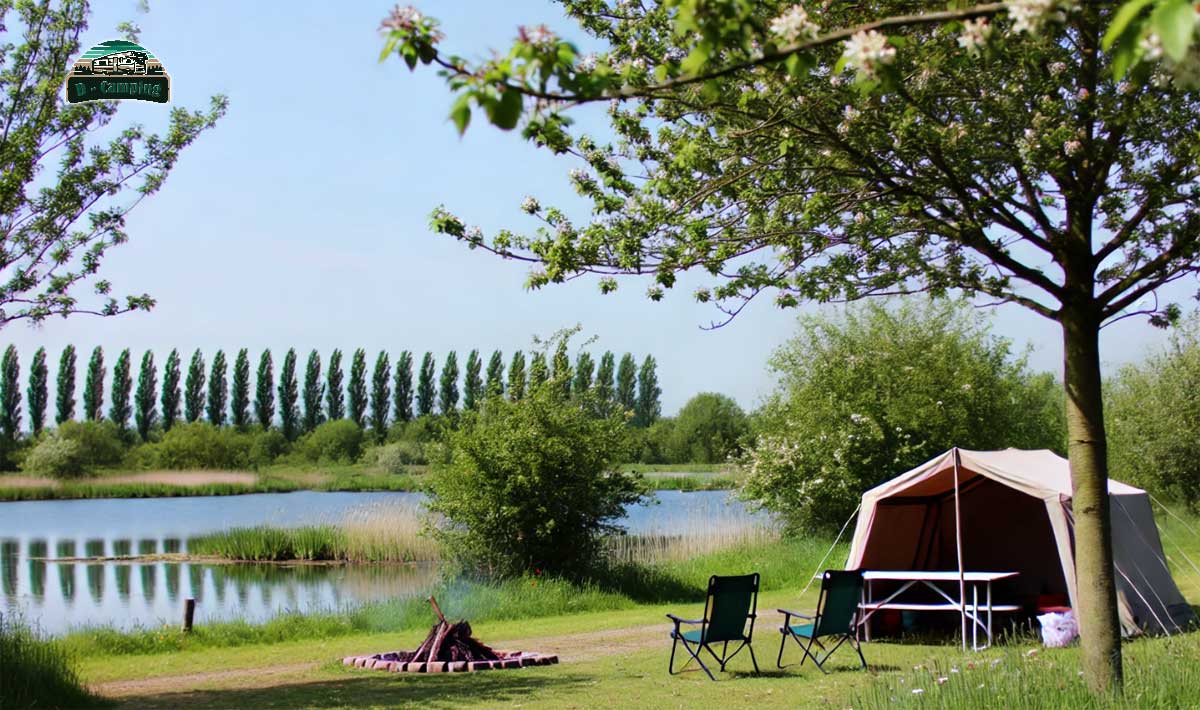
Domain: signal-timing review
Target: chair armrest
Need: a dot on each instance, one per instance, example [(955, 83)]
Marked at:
[(797, 614), (679, 621)]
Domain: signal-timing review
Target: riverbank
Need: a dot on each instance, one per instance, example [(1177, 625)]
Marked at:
[(280, 479)]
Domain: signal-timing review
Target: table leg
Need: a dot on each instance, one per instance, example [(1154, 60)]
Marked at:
[(975, 616), (989, 614), (870, 599)]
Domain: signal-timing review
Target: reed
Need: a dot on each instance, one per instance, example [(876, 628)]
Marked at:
[(35, 672), (700, 537)]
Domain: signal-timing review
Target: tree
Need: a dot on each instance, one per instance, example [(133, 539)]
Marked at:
[(93, 387), (38, 393), (239, 390), (145, 410), (539, 372), (473, 392), (289, 397), (561, 372), (516, 377), (584, 369), (122, 387), (708, 429), (426, 392), (66, 198), (448, 389), (381, 395), (64, 390), (403, 405), (495, 375), (171, 397), (356, 393), (335, 406), (627, 383), (193, 388), (605, 386), (218, 390), (875, 390), (313, 392), (504, 461), (10, 394), (648, 407), (264, 391)]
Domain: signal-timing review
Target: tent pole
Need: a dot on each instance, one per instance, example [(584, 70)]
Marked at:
[(962, 586)]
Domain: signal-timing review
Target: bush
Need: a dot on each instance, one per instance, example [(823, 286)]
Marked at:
[(36, 673), (101, 443), (266, 447), (422, 430), (393, 458), (338, 441), (709, 429), (650, 445), (199, 445), (877, 391), (55, 455), (529, 486)]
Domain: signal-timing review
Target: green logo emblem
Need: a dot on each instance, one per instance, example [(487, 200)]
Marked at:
[(115, 70)]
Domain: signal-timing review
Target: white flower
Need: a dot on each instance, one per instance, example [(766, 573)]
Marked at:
[(564, 228), (794, 25), (1073, 148), (866, 51), (587, 62), (530, 205), (859, 218), (539, 36), (475, 234), (1057, 68), (975, 35), (401, 18), (1151, 46), (942, 680), (1030, 15), (578, 175), (857, 418), (918, 691)]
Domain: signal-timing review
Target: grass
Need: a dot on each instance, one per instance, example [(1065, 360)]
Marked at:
[(36, 672)]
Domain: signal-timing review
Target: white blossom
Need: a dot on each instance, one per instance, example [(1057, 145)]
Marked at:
[(530, 205), (1073, 148), (474, 234), (1151, 46), (1030, 15), (539, 36), (401, 18), (587, 62), (794, 25), (866, 51), (1057, 68), (975, 35)]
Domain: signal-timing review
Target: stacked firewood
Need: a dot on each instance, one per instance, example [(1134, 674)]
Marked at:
[(448, 642)]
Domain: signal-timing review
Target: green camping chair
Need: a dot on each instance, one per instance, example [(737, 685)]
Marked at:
[(836, 617), (731, 602)]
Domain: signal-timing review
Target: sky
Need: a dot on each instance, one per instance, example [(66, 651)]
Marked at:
[(301, 219)]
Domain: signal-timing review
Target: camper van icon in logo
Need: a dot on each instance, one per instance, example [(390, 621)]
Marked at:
[(117, 69)]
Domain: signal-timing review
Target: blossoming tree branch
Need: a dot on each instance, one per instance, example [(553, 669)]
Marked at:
[(1041, 153)]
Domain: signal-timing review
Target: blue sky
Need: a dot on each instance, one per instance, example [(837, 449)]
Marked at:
[(301, 220)]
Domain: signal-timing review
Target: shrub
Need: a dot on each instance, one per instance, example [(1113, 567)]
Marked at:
[(37, 673), (55, 455), (709, 429), (493, 495), (421, 430), (266, 446), (651, 444), (202, 445), (101, 443), (393, 458), (338, 441)]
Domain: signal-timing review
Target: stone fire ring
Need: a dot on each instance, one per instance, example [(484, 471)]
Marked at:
[(508, 659)]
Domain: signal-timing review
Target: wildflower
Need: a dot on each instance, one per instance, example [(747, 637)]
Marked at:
[(942, 680), (540, 36), (975, 35), (867, 51), (1031, 653), (530, 205), (918, 691), (794, 25)]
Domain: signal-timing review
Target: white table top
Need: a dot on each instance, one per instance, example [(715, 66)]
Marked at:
[(935, 575)]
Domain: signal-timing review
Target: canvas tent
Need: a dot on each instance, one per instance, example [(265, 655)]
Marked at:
[(1011, 510)]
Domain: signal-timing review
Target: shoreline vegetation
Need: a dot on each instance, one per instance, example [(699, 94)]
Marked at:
[(284, 479)]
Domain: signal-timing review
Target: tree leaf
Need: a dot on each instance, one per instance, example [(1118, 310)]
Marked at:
[(460, 112), (1175, 23), (507, 111), (1121, 20)]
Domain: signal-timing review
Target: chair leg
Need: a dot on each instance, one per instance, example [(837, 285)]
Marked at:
[(858, 647), (753, 659), (695, 656), (820, 663)]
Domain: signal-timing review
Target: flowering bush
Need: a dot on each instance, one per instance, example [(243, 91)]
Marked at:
[(55, 456)]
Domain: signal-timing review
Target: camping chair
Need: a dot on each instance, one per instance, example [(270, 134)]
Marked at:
[(836, 616), (731, 602)]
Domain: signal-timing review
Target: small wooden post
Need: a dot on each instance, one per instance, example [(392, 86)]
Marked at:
[(189, 611)]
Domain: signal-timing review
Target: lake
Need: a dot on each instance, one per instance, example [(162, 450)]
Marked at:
[(58, 596)]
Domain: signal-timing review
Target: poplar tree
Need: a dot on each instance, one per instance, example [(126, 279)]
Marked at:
[(289, 397), (218, 390), (604, 378), (627, 383), (93, 387), (335, 397), (38, 393), (426, 391), (239, 391), (381, 394), (356, 392), (264, 391), (403, 406), (64, 390), (649, 408), (473, 383), (584, 369), (10, 394), (145, 410), (516, 377), (495, 375), (170, 391), (193, 388), (122, 387), (313, 392), (448, 393), (539, 373)]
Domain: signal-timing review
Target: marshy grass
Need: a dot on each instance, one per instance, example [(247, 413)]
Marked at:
[(36, 672), (701, 536)]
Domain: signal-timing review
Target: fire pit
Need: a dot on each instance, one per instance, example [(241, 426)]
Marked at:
[(449, 648)]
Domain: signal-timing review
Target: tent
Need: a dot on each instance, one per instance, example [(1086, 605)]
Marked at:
[(1011, 510)]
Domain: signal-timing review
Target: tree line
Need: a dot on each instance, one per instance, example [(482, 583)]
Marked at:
[(298, 402)]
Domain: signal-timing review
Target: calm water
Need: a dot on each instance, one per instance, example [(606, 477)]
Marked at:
[(61, 595)]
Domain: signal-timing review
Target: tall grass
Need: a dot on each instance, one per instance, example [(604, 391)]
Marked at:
[(37, 673), (700, 536)]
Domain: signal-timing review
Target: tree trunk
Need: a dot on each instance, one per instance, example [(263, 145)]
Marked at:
[(1099, 626)]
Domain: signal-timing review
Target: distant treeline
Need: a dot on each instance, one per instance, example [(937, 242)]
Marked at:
[(298, 402)]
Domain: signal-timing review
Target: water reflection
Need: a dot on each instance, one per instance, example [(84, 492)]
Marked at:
[(10, 551), (66, 570), (38, 551), (95, 572)]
